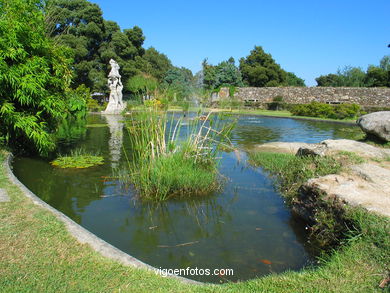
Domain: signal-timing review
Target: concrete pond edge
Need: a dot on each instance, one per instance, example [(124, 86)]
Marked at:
[(83, 235)]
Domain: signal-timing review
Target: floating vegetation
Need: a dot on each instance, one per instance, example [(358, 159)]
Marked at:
[(78, 159), (97, 125)]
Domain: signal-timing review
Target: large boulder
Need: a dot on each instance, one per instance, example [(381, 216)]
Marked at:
[(377, 124), (364, 185)]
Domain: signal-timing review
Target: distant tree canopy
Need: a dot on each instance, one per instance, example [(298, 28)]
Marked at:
[(224, 74), (259, 69), (79, 24), (35, 74), (375, 76)]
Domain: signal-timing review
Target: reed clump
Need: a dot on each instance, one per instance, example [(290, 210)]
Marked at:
[(169, 161)]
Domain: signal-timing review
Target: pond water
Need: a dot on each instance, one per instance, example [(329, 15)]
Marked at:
[(245, 227)]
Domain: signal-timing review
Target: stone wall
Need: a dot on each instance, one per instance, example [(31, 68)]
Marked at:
[(379, 97)]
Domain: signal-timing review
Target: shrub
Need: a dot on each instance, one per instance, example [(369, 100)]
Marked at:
[(35, 73), (276, 104), (321, 110)]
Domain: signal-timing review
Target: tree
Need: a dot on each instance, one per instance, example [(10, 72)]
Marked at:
[(329, 80), (157, 63), (352, 77), (259, 69), (34, 77), (377, 77), (293, 80), (178, 83), (79, 24), (347, 77), (224, 74)]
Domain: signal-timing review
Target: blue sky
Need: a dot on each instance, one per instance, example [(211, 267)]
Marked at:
[(309, 38)]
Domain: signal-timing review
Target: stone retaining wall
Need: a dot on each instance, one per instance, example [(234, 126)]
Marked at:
[(379, 97)]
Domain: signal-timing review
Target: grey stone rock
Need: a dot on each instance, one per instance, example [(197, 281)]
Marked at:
[(377, 124), (364, 185), (318, 150), (360, 148)]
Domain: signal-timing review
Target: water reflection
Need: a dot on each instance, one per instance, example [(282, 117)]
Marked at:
[(115, 124)]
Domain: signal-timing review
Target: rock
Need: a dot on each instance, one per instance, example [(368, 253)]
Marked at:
[(281, 147), (360, 148), (366, 185), (377, 124), (326, 147), (312, 150)]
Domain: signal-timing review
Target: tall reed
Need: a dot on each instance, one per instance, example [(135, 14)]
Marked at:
[(168, 162)]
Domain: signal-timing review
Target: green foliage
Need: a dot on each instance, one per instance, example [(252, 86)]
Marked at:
[(178, 84), (321, 110), (221, 75), (93, 105), (157, 64), (277, 104), (142, 85), (378, 77), (78, 159), (259, 69), (293, 80), (375, 76), (230, 103), (34, 78), (79, 24), (347, 77)]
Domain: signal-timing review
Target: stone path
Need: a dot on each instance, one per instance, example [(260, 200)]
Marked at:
[(4, 196)]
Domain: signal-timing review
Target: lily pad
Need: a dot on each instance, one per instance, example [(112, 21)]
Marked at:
[(78, 162)]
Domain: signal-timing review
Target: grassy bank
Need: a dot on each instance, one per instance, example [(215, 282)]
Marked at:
[(37, 254), (270, 113)]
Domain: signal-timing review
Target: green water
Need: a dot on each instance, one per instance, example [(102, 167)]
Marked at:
[(245, 227)]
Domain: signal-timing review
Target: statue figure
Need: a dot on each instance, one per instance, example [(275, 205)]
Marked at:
[(115, 103)]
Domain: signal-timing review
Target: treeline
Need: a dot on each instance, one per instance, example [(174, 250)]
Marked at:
[(79, 24), (374, 76), (258, 69)]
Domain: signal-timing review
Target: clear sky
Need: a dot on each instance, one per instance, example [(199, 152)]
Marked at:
[(309, 38)]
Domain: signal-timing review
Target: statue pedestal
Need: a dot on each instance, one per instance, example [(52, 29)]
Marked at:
[(113, 108)]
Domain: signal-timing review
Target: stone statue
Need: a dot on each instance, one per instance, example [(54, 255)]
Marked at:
[(115, 103)]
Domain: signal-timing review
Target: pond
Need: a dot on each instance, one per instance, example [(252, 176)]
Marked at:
[(245, 227)]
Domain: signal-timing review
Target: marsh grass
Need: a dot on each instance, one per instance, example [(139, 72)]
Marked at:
[(78, 159), (292, 170), (167, 161)]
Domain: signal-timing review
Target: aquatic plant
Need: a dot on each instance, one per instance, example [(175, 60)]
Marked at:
[(78, 159), (166, 162)]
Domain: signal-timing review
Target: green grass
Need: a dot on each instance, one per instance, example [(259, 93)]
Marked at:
[(174, 176), (78, 159), (37, 254), (292, 170)]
